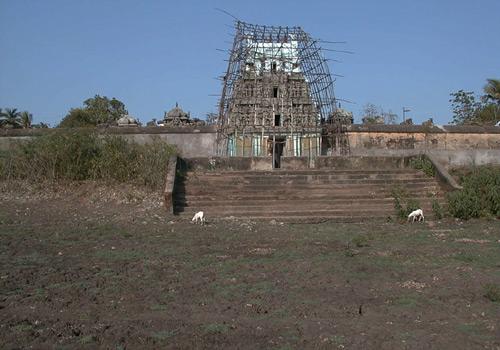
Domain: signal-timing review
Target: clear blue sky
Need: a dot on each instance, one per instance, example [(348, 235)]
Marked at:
[(152, 54)]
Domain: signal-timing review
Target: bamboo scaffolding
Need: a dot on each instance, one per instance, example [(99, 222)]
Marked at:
[(278, 77)]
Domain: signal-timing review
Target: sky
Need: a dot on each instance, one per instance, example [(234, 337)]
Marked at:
[(153, 54)]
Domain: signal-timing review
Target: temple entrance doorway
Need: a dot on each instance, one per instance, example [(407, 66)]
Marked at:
[(278, 146)]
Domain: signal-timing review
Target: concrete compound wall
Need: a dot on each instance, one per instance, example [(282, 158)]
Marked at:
[(451, 145), (190, 141), (188, 144), (421, 137)]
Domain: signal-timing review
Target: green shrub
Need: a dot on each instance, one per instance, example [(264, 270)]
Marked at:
[(464, 204), (54, 156), (118, 159), (359, 240), (436, 208), (348, 253), (82, 155), (411, 205), (423, 164), (492, 292), (398, 207), (481, 194), (154, 160), (398, 193)]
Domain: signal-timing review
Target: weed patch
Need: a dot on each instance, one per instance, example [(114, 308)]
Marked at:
[(464, 257), (437, 210), (467, 327), (215, 328), (23, 328), (492, 292), (166, 334), (263, 288), (160, 307), (423, 164), (413, 301), (360, 240), (399, 194), (405, 336), (71, 286), (121, 254), (89, 339)]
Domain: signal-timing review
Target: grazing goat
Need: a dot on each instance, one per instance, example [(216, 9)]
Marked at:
[(198, 216), (416, 215)]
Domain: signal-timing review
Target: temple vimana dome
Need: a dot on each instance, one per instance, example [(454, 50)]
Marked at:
[(177, 117)]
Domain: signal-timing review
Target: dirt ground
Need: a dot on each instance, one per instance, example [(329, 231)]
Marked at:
[(91, 266)]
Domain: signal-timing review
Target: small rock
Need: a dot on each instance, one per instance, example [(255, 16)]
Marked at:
[(431, 224)]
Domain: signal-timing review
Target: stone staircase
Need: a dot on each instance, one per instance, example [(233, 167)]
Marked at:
[(303, 195)]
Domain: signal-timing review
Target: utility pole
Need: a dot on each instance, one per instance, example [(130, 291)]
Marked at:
[(405, 111)]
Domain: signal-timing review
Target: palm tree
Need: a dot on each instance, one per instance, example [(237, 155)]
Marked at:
[(26, 119), (11, 117), (492, 91)]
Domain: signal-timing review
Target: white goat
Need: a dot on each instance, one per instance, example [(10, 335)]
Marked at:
[(416, 215), (198, 216)]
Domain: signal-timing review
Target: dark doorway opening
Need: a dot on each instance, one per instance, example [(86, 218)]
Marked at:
[(279, 145), (275, 92), (277, 120)]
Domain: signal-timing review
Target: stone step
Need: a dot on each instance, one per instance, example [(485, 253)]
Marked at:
[(299, 184), (299, 216), (252, 205), (264, 185), (301, 181), (301, 191), (347, 196), (286, 203), (313, 174), (305, 179), (279, 172)]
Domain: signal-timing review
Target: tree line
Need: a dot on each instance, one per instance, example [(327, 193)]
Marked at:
[(466, 108), (96, 110), (11, 118)]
